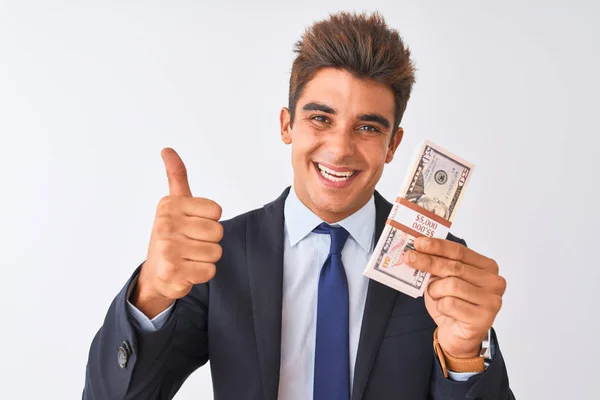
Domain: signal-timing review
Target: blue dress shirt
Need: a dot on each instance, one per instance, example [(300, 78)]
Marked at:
[(304, 254)]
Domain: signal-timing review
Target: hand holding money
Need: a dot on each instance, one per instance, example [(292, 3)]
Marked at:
[(426, 206), (184, 245), (464, 295)]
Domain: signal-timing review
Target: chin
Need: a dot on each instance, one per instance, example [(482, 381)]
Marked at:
[(335, 203)]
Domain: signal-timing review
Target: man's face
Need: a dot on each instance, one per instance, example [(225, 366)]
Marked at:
[(340, 141)]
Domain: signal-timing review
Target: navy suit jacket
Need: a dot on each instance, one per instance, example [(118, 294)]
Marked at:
[(235, 321)]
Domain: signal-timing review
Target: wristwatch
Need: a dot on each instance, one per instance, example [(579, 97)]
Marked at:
[(486, 347), (474, 364)]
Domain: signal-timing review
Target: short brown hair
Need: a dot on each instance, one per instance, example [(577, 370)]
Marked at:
[(361, 44)]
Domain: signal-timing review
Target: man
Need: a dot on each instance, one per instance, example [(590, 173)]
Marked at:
[(275, 298)]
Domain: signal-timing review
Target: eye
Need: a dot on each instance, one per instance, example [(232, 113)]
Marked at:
[(369, 128), (320, 118)]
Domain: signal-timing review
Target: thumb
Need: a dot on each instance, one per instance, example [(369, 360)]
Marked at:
[(176, 173)]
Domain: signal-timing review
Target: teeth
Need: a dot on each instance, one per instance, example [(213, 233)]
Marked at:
[(333, 175), (346, 174)]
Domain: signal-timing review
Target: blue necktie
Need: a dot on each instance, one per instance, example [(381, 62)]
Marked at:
[(332, 359)]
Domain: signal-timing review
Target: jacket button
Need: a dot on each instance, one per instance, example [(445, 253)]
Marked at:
[(123, 354)]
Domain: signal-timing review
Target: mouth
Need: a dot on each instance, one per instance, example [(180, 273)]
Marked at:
[(336, 176)]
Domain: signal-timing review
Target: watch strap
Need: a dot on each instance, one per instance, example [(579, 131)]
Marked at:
[(455, 364)]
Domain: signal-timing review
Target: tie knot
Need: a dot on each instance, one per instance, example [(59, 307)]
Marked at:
[(338, 236)]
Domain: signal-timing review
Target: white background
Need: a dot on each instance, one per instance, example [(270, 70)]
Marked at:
[(90, 92)]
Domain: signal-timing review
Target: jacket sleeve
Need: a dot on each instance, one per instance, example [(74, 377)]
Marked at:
[(128, 362), (490, 385)]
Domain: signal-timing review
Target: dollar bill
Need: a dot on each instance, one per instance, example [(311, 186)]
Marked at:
[(434, 187)]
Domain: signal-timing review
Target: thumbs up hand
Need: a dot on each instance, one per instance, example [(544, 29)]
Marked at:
[(184, 244)]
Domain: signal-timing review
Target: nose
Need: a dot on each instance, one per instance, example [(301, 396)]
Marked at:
[(340, 144)]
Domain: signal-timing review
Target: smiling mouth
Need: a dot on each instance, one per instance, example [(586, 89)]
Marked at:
[(334, 176)]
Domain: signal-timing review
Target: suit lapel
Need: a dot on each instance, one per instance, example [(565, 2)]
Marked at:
[(378, 308), (264, 253)]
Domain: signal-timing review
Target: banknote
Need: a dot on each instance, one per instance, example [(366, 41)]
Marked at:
[(426, 205)]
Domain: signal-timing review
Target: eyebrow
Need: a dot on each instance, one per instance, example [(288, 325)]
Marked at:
[(374, 117), (319, 107), (370, 117)]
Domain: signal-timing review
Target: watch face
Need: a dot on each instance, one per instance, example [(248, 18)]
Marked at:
[(486, 346)]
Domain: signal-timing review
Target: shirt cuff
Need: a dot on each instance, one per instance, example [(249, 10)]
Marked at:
[(461, 376), (145, 323)]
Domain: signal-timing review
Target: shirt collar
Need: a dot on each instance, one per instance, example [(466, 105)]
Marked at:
[(300, 221)]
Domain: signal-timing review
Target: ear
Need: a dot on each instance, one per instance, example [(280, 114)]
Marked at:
[(394, 145), (284, 121)]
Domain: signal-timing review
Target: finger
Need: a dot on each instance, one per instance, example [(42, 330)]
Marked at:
[(201, 207), (176, 173), (188, 273), (198, 272), (455, 287), (190, 206), (444, 267), (454, 251), (206, 252), (465, 312), (202, 229)]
